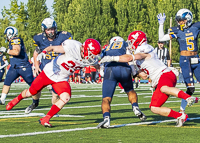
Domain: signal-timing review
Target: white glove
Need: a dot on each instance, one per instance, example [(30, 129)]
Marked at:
[(109, 59), (161, 18), (41, 56), (3, 49)]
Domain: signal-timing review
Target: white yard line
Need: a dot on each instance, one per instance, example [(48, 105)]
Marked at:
[(89, 128)]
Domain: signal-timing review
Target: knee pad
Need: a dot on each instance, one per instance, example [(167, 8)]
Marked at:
[(190, 90)]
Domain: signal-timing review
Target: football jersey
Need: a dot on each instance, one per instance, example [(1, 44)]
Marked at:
[(153, 67), (42, 42), (187, 38), (116, 49), (65, 64), (22, 59)]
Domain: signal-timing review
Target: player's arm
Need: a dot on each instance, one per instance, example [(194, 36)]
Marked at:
[(57, 49), (15, 50), (5, 63), (36, 63), (142, 74)]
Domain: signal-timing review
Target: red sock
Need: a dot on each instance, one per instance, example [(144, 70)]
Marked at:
[(183, 95), (174, 114), (54, 109), (20, 97), (120, 86)]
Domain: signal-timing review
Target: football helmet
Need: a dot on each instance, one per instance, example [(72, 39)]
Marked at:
[(116, 38), (91, 48), (135, 39), (10, 32), (48, 23), (184, 14)]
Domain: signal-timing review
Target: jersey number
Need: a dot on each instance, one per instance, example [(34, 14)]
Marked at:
[(116, 45), (190, 44), (70, 66)]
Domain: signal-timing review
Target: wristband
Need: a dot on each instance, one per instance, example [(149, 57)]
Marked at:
[(116, 58), (8, 51)]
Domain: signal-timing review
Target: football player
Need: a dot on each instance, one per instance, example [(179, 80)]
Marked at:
[(49, 37), (74, 56), (3, 64), (186, 33), (20, 65), (114, 73), (163, 78)]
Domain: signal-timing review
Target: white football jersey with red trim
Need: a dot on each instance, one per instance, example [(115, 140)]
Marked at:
[(64, 65), (153, 67)]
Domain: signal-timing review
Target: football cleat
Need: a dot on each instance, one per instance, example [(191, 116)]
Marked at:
[(105, 123), (191, 100), (2, 102), (30, 108), (45, 122), (181, 120), (139, 113), (122, 91)]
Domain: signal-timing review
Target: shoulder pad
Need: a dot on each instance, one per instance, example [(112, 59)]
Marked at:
[(15, 41), (173, 30), (197, 24)]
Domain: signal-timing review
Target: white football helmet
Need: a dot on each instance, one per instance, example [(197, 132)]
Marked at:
[(10, 32), (184, 14), (116, 38), (48, 23)]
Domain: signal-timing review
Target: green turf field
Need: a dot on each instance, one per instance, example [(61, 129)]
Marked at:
[(78, 119)]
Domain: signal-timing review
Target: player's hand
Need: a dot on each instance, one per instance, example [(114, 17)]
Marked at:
[(41, 56), (109, 59), (3, 49), (161, 18), (37, 71)]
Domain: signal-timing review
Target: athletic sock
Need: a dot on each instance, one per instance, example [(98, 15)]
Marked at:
[(183, 95), (3, 96), (54, 109), (106, 114), (174, 114)]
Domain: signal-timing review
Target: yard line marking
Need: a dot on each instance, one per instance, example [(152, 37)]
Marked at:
[(94, 106), (90, 128)]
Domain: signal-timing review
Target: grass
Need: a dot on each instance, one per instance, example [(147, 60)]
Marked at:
[(85, 113)]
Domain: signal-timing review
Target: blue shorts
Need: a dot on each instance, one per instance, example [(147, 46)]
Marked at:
[(14, 73), (189, 69), (113, 75)]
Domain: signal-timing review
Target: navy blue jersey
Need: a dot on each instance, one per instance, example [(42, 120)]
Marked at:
[(2, 59), (22, 59), (116, 49), (187, 38), (42, 42)]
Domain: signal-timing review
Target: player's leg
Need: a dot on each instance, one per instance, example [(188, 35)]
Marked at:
[(64, 91), (38, 84), (108, 89), (125, 79), (11, 75), (188, 79)]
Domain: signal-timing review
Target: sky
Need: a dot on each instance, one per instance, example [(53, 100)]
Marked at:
[(6, 3)]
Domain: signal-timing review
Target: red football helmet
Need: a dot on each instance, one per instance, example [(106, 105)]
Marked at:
[(91, 48), (136, 38)]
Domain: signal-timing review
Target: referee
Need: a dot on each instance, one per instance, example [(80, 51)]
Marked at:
[(163, 53)]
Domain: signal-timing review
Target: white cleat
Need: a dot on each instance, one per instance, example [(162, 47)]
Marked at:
[(122, 91), (139, 113), (105, 123), (2, 102), (191, 100), (181, 120)]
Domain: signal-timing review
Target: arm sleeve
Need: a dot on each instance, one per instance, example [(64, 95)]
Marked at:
[(6, 63), (161, 35)]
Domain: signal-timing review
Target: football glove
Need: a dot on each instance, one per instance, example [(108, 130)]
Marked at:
[(3, 49), (41, 56), (109, 59), (161, 18)]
